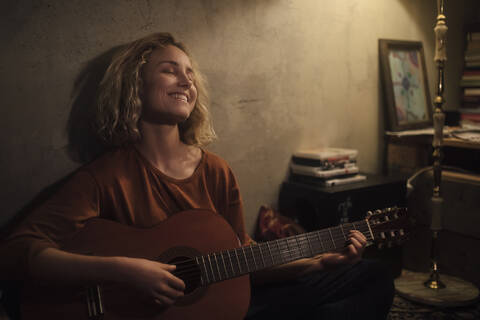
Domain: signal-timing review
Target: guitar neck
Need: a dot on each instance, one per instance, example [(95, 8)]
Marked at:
[(233, 263)]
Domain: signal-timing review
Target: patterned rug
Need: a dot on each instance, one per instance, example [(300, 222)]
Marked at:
[(403, 309)]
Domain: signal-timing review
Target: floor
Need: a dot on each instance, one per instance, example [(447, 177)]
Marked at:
[(405, 310)]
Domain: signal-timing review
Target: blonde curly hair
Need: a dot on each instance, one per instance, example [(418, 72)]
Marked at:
[(119, 107)]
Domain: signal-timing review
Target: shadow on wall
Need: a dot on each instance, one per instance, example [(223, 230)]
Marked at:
[(83, 147), (83, 144)]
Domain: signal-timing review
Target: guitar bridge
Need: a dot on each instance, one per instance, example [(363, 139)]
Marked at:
[(94, 303)]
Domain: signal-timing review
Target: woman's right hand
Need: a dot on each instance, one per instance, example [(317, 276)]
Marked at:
[(153, 278)]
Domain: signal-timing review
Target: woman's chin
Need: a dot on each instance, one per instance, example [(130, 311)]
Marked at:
[(165, 119)]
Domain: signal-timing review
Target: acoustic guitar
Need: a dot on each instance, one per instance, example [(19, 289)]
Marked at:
[(209, 259)]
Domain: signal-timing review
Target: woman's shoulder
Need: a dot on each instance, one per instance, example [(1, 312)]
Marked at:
[(217, 166), (213, 160), (112, 163)]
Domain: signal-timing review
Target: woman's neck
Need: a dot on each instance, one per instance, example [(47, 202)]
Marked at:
[(160, 143), (162, 146)]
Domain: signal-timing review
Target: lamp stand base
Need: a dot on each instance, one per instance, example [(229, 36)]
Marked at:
[(457, 292)]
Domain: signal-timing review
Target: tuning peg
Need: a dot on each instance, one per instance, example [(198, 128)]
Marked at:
[(378, 211), (382, 235), (402, 233), (392, 234), (369, 213)]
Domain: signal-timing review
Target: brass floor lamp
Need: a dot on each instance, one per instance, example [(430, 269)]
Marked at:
[(433, 289)]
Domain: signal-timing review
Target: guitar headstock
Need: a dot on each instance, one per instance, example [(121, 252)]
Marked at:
[(389, 226)]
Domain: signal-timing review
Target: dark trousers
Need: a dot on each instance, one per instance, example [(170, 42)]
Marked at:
[(362, 291)]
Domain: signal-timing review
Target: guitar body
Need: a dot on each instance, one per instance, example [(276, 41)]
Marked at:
[(209, 260), (183, 235)]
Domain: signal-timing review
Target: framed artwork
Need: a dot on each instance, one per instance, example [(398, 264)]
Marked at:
[(407, 97)]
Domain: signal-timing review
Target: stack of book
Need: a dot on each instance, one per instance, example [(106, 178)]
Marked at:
[(470, 83), (325, 166)]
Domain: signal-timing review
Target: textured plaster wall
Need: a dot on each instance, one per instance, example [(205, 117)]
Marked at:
[(283, 75)]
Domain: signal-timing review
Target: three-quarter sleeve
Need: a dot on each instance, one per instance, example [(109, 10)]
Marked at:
[(51, 223)]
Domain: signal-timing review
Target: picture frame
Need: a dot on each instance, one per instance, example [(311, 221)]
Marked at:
[(405, 85)]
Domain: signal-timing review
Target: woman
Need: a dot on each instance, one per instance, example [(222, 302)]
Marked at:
[(152, 113)]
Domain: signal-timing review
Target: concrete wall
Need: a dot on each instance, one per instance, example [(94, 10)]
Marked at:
[(283, 74)]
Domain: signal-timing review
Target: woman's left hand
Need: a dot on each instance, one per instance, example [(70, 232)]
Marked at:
[(352, 254)]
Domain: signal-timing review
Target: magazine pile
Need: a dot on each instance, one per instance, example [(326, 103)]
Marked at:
[(325, 166)]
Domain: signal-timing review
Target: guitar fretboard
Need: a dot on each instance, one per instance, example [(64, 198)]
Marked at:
[(229, 264)]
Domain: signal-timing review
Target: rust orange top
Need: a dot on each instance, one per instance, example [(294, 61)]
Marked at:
[(123, 186)]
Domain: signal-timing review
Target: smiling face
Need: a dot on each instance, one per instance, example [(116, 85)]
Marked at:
[(169, 93)]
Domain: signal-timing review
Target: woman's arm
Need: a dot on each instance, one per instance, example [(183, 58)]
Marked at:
[(152, 278)]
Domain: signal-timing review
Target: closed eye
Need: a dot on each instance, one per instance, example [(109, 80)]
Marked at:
[(172, 67)]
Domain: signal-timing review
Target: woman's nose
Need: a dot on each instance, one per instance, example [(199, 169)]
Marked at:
[(185, 81)]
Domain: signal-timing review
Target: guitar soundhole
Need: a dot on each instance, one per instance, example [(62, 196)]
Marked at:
[(188, 271)]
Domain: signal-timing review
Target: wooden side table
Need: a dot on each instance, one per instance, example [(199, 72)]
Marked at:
[(317, 207)]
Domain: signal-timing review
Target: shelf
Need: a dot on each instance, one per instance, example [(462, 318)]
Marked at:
[(427, 140), (408, 154), (459, 143)]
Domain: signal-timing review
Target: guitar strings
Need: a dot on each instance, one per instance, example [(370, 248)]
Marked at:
[(191, 268), (246, 263), (192, 271), (302, 241)]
